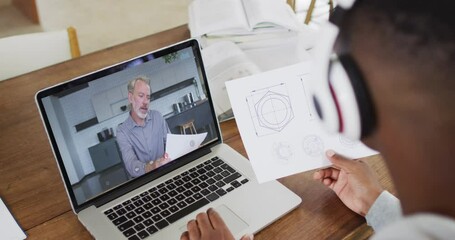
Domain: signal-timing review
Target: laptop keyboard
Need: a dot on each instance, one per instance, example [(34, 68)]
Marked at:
[(164, 204)]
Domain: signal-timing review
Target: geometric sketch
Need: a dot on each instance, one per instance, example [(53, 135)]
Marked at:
[(270, 109), (313, 145), (347, 142), (192, 143), (309, 99), (282, 151)]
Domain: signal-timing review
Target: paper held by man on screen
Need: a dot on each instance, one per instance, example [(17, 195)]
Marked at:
[(279, 127), (178, 145)]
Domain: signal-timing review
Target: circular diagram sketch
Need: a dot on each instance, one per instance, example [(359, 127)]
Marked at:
[(313, 145), (282, 151), (347, 142), (273, 111), (270, 109)]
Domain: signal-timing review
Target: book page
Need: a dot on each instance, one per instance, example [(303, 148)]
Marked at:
[(270, 14), (221, 16)]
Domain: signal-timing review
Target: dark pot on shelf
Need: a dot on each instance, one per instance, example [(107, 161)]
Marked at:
[(105, 134), (177, 107)]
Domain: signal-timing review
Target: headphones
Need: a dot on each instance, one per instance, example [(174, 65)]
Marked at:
[(340, 95)]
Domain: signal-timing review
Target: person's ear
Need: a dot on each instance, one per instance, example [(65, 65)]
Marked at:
[(130, 97)]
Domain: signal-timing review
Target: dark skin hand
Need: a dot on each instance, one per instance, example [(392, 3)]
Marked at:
[(353, 181), (209, 225)]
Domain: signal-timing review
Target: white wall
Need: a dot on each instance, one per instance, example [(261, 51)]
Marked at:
[(104, 23), (64, 143)]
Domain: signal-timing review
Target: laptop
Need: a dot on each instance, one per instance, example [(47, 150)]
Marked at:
[(81, 117)]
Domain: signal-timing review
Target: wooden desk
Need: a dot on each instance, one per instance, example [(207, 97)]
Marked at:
[(31, 186)]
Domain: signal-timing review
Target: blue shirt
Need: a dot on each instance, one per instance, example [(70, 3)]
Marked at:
[(142, 144)]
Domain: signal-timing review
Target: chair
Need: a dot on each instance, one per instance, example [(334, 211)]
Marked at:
[(188, 125), (25, 53), (310, 10)]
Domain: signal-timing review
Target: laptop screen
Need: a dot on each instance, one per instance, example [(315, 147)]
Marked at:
[(105, 134)]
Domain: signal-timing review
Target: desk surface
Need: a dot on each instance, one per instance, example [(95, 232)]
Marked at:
[(31, 186)]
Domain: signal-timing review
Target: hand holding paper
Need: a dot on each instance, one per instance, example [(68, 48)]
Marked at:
[(279, 126)]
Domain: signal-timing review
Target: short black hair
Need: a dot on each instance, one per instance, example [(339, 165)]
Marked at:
[(425, 24), (420, 33)]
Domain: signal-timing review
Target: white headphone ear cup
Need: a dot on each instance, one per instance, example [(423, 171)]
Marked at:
[(326, 109), (365, 106), (322, 97), (346, 102)]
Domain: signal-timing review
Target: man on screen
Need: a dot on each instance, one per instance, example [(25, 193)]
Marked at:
[(142, 136)]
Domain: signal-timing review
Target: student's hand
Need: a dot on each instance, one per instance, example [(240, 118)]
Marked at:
[(352, 180), (208, 226)]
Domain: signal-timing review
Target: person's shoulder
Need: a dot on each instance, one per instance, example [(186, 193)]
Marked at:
[(419, 226), (123, 126), (155, 113)]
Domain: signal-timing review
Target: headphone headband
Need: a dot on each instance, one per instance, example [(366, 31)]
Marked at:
[(340, 94)]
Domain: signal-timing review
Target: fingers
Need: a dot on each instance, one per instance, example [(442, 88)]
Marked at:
[(327, 176), (165, 159), (208, 225), (193, 230), (339, 160), (247, 237), (203, 223), (322, 174), (185, 236), (215, 219)]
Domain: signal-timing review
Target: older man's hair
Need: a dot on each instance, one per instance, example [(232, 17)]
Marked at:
[(132, 83)]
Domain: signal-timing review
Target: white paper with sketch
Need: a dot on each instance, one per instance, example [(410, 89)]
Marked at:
[(279, 127), (178, 145)]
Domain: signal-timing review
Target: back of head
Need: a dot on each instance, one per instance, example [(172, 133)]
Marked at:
[(420, 35), (406, 52), (415, 39)]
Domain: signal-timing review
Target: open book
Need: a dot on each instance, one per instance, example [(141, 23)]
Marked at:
[(240, 17)]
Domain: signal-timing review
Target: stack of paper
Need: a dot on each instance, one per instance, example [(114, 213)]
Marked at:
[(241, 20)]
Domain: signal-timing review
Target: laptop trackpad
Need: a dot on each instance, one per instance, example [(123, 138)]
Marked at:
[(234, 222)]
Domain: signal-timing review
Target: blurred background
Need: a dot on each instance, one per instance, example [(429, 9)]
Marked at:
[(99, 24)]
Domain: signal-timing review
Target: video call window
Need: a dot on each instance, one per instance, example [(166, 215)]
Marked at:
[(85, 120)]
